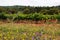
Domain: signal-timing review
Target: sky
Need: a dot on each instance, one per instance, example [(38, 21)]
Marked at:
[(30, 2)]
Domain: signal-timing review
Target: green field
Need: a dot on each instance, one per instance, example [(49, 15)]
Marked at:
[(13, 31)]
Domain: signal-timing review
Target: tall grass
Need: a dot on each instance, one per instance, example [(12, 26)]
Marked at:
[(29, 32)]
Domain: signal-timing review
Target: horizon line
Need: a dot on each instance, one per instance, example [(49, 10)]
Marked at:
[(30, 5)]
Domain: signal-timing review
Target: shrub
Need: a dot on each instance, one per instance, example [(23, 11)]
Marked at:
[(58, 17), (2, 16)]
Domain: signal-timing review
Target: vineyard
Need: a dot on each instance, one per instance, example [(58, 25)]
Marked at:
[(17, 13), (34, 17)]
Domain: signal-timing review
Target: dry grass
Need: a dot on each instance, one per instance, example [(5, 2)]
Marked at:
[(30, 31)]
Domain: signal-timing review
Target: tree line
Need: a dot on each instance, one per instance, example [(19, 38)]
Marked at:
[(29, 9), (29, 13)]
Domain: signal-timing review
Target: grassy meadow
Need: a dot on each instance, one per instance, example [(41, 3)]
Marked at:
[(14, 31)]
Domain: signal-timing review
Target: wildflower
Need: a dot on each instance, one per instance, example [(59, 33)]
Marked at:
[(12, 37), (33, 38), (0, 35), (24, 33), (17, 31), (33, 33), (37, 34), (5, 37), (40, 34), (23, 39)]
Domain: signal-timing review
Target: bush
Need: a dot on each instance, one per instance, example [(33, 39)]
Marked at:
[(58, 17), (2, 16)]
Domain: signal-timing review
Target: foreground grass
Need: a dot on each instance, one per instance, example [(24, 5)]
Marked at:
[(12, 31)]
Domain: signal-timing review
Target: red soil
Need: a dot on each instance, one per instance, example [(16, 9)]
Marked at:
[(34, 23)]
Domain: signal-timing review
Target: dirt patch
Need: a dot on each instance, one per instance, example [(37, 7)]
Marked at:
[(34, 23)]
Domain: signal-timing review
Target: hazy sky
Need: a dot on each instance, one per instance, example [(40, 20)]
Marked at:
[(30, 2)]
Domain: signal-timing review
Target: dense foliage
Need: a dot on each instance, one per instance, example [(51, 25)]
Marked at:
[(29, 13)]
